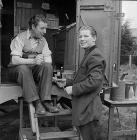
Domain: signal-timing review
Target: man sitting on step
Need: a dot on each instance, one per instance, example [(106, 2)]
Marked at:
[(31, 63)]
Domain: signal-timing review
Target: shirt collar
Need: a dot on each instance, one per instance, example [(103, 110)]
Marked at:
[(28, 34), (88, 50)]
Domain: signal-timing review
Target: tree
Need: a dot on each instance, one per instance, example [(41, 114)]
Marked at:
[(127, 42)]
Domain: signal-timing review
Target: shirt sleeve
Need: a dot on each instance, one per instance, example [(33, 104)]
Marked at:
[(46, 51), (16, 46)]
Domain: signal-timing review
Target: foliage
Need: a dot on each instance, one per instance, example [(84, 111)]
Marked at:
[(127, 42)]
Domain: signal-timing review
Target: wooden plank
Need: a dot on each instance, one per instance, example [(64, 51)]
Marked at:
[(61, 113), (123, 103), (21, 112), (18, 16), (9, 84), (9, 92), (26, 133), (28, 16), (15, 12), (124, 132), (23, 20), (32, 119), (110, 123), (52, 135)]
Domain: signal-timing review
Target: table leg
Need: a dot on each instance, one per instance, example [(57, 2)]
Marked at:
[(21, 112), (110, 123)]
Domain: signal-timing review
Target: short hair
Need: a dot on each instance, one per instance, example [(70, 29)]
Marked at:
[(36, 19), (90, 28)]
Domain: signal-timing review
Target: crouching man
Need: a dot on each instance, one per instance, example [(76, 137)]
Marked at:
[(31, 63)]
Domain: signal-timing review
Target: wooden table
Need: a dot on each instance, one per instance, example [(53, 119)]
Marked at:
[(112, 104)]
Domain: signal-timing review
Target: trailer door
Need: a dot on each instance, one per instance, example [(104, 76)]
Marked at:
[(104, 16)]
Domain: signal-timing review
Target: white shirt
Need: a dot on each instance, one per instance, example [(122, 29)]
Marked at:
[(24, 43)]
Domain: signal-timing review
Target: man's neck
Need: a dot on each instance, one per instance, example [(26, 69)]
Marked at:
[(33, 35)]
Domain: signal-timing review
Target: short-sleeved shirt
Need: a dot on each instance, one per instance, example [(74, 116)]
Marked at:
[(23, 44)]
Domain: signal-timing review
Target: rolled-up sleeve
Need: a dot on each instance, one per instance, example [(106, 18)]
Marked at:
[(46, 51), (16, 47)]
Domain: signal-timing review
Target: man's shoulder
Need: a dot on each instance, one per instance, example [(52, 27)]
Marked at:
[(97, 51), (44, 40), (97, 55), (22, 35)]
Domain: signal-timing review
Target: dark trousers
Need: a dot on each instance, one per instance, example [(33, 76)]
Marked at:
[(90, 131), (28, 76)]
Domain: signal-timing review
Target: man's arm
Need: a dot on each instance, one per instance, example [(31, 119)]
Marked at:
[(46, 52), (17, 60), (93, 80), (16, 52)]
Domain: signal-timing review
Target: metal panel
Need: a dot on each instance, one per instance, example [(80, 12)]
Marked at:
[(102, 16), (117, 40), (69, 57), (59, 48), (64, 49)]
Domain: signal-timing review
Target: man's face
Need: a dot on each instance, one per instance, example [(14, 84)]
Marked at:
[(86, 40), (40, 29)]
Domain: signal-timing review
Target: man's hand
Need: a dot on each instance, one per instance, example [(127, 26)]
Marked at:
[(48, 59), (69, 90), (39, 59), (61, 83)]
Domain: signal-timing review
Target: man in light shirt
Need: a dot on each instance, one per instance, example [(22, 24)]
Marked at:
[(31, 63)]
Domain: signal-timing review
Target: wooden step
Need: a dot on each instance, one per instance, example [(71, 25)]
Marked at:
[(61, 113), (26, 133), (56, 135)]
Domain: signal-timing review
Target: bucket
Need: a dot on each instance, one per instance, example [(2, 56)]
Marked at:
[(118, 93)]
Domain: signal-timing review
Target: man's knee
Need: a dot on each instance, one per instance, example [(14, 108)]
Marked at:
[(23, 69), (47, 66)]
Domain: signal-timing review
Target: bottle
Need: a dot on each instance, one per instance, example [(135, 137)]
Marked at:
[(131, 92), (61, 72), (58, 74), (136, 90), (55, 72), (127, 91)]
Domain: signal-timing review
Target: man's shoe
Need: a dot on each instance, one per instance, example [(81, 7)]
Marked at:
[(40, 109), (50, 108)]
